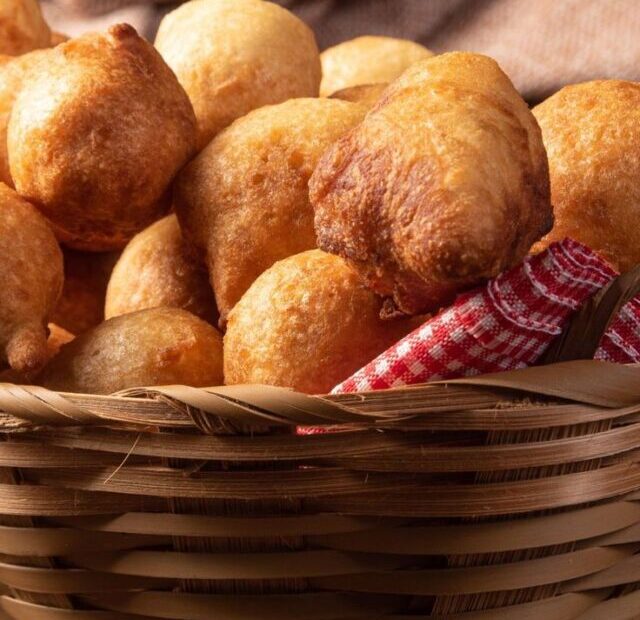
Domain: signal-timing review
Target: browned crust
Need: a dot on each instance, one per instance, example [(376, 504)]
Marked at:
[(444, 184)]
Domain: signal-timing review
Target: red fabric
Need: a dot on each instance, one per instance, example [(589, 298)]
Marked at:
[(621, 342), (506, 324)]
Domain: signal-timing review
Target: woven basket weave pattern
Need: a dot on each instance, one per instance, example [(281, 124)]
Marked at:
[(446, 501)]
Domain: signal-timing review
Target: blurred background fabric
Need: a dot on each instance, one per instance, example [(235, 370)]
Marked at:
[(541, 44)]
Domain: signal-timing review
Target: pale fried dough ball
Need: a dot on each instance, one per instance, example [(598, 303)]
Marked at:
[(31, 277), (365, 94), (307, 323), (99, 157), (158, 269), (86, 275), (592, 135), (233, 57), (445, 183), (245, 199), (13, 74), (22, 27), (158, 346), (367, 60)]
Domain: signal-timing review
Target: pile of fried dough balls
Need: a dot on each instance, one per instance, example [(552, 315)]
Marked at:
[(310, 207)]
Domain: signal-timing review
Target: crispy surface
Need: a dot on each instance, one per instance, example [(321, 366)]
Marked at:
[(86, 275), (31, 275), (159, 346), (367, 60), (365, 94), (157, 269), (592, 135), (233, 57), (22, 27), (444, 183), (99, 157), (13, 74), (245, 199), (306, 323)]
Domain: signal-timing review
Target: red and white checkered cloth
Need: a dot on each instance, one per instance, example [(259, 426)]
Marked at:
[(507, 324)]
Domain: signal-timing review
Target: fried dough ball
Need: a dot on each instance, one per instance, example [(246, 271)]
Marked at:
[(233, 57), (86, 275), (99, 157), (365, 94), (13, 75), (445, 183), (592, 135), (157, 269), (31, 277), (245, 199), (307, 323), (158, 346), (367, 60), (22, 27), (57, 337), (57, 38)]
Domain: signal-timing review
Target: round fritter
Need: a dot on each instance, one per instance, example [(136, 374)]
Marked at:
[(13, 74), (86, 275), (445, 183), (367, 60), (592, 135), (245, 199), (31, 277), (233, 57), (98, 159), (22, 27), (157, 269), (365, 94), (158, 346), (307, 323)]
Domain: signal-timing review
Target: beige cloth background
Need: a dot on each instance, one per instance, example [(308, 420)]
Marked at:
[(541, 44)]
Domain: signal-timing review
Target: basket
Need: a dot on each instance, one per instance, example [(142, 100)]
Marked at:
[(506, 496)]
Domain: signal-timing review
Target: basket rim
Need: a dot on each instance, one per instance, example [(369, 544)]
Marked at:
[(586, 382)]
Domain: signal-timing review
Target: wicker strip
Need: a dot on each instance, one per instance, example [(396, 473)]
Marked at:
[(188, 504), (401, 452), (599, 383)]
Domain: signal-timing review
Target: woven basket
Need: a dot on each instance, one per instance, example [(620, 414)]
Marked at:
[(508, 496)]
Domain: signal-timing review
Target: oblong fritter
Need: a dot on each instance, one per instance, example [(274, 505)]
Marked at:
[(445, 183)]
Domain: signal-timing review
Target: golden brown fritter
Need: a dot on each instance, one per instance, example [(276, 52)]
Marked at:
[(367, 60), (13, 74), (157, 269), (57, 38), (57, 337), (99, 157), (592, 135), (86, 275), (233, 57), (22, 27), (31, 277), (365, 94), (307, 323), (445, 183), (245, 199), (159, 346)]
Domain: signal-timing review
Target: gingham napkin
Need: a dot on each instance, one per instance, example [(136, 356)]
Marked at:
[(506, 324)]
